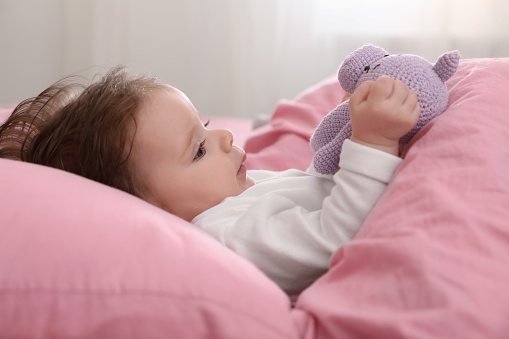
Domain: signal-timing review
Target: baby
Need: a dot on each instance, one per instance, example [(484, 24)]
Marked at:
[(146, 138)]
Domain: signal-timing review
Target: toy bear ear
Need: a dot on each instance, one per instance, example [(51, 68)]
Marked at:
[(446, 65), (351, 69)]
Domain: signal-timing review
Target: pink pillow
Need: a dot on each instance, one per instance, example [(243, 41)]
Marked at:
[(80, 259)]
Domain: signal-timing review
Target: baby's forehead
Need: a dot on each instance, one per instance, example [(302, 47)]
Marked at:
[(166, 89), (180, 96), (158, 93), (165, 98), (169, 88)]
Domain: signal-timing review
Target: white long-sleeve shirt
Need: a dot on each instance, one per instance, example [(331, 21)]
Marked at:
[(290, 223)]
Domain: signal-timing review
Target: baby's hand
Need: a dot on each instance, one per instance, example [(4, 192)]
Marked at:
[(381, 112)]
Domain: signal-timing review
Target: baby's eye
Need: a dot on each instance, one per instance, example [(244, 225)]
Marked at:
[(201, 151)]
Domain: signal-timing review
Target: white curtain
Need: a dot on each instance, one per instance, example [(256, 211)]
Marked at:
[(232, 57)]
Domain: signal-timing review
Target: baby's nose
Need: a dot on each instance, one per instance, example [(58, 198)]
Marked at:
[(226, 140)]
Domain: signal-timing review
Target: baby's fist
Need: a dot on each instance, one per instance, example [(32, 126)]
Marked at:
[(383, 111)]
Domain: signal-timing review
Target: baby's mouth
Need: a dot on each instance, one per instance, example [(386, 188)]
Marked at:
[(242, 167)]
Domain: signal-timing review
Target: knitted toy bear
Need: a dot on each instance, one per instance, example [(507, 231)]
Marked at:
[(368, 63)]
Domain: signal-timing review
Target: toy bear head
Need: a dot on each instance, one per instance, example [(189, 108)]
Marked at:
[(427, 80)]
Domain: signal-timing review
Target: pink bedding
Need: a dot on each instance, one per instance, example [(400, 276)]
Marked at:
[(431, 259), (78, 259)]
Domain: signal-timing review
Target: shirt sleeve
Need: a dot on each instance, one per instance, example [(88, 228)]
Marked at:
[(293, 243), (363, 176)]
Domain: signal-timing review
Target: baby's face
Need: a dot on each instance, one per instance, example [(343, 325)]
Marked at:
[(184, 167)]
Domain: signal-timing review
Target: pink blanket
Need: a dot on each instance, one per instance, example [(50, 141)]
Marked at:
[(431, 259)]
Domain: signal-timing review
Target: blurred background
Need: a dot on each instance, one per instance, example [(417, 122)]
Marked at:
[(233, 58)]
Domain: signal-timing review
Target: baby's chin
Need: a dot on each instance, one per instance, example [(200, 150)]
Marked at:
[(250, 182)]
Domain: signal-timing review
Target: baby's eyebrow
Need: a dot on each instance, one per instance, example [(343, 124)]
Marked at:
[(202, 119)]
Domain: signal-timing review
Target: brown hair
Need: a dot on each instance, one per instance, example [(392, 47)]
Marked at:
[(86, 130)]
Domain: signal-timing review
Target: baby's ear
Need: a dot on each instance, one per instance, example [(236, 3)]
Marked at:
[(353, 65), (447, 64)]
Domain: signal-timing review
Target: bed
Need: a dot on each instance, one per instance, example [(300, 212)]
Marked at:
[(82, 260)]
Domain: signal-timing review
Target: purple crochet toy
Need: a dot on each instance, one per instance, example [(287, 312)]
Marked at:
[(368, 63)]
